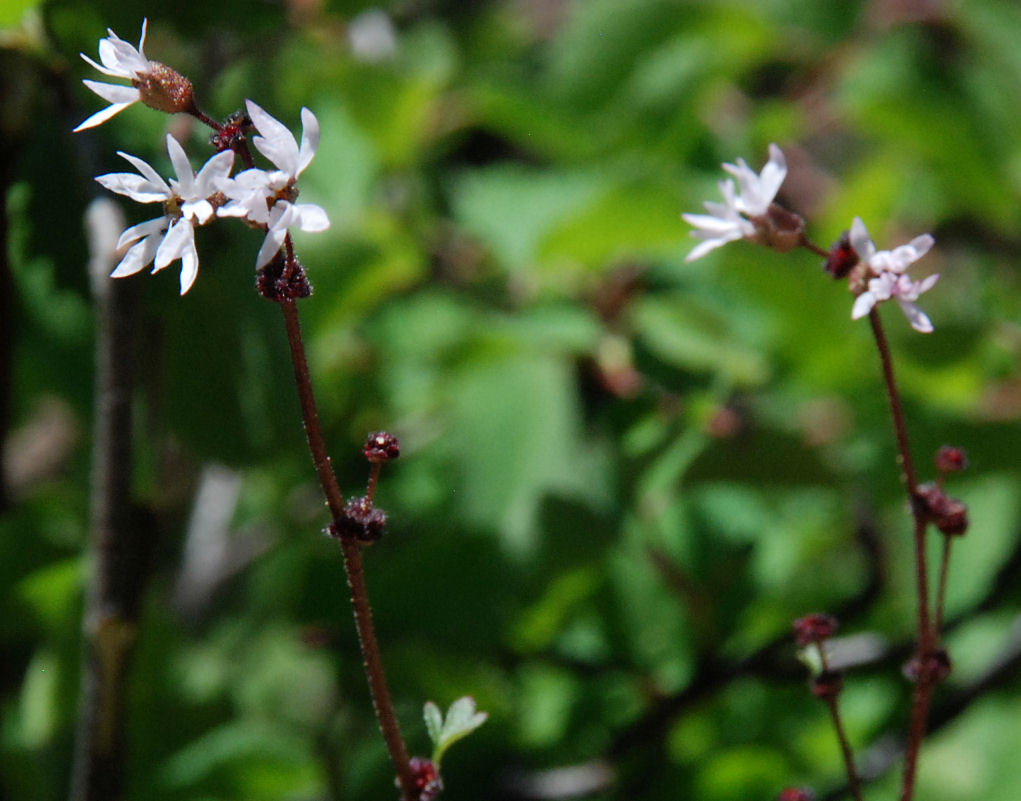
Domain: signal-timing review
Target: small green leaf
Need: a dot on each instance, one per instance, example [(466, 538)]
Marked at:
[(433, 722), (461, 720)]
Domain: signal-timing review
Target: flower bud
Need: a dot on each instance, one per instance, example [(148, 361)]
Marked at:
[(842, 257), (814, 628), (427, 778), (164, 89), (933, 668), (360, 520), (381, 446), (949, 515), (950, 459)]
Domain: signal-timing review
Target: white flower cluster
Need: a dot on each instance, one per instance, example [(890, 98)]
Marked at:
[(883, 270), (265, 198)]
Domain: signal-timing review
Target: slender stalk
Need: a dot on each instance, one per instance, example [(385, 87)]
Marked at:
[(853, 780), (926, 679), (373, 663), (941, 592), (845, 748)]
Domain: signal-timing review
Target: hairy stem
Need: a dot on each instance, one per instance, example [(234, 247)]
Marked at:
[(925, 680), (352, 560)]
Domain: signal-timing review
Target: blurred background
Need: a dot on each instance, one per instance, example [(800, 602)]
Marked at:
[(623, 475)]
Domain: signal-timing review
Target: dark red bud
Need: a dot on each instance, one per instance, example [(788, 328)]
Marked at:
[(381, 446), (933, 668), (814, 628), (360, 520), (233, 133), (949, 515), (842, 257), (427, 779), (281, 281), (950, 459)]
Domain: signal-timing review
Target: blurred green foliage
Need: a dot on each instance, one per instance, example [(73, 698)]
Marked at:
[(622, 474)]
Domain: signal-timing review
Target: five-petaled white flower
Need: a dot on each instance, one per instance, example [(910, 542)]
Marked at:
[(887, 278), (267, 197), (729, 220), (120, 60), (186, 204)]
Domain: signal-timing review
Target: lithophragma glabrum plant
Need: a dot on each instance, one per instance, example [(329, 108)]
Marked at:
[(265, 199), (749, 212)]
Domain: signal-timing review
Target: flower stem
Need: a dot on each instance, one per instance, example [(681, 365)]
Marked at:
[(941, 592), (925, 680), (373, 663), (853, 780)]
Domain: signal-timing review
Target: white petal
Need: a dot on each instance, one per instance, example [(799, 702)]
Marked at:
[(863, 305), (705, 247), (926, 283), (189, 268), (309, 139), (147, 228), (182, 167), (113, 73), (860, 240), (773, 174), (270, 246), (145, 169), (710, 224), (276, 142), (215, 170), (112, 92), (138, 256), (101, 116), (918, 319), (921, 245), (179, 238), (198, 211), (134, 186), (311, 217)]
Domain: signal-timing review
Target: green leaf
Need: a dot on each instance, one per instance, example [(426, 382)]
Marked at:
[(462, 719)]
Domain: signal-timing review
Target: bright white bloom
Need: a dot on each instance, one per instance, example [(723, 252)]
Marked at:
[(185, 202), (758, 191), (888, 280), (120, 60), (267, 197), (729, 220), (721, 225)]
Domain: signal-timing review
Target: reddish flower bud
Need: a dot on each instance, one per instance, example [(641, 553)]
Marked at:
[(950, 459), (814, 628), (842, 257), (934, 668), (827, 684), (164, 89), (360, 520), (427, 779), (949, 515), (233, 133), (796, 794), (281, 282), (381, 446)]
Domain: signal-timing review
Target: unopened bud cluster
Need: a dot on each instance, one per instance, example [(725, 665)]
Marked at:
[(361, 519)]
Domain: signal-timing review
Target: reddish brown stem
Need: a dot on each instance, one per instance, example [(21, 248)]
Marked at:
[(941, 592), (352, 561), (926, 679), (853, 780)]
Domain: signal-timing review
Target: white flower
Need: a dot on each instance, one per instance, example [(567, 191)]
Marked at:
[(888, 280), (267, 197), (186, 204), (721, 225), (120, 60), (758, 191), (729, 220)]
